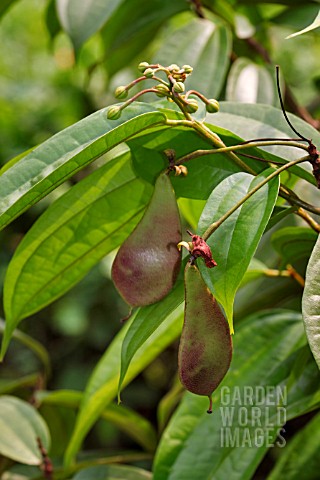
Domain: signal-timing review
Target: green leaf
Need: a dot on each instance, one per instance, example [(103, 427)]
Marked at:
[(144, 323), (74, 233), (191, 210), (293, 243), (250, 83), (113, 472), (204, 173), (131, 29), (20, 426), (315, 24), (206, 46), (81, 20), (102, 386), (134, 425), (300, 458), (67, 152), (196, 442), (311, 302), (234, 243)]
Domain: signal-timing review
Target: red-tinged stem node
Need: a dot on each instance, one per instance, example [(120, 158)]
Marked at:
[(210, 404)]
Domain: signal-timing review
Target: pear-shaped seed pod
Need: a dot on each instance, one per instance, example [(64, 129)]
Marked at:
[(147, 264), (205, 349)]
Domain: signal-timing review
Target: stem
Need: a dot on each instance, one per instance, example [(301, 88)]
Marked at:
[(310, 221), (242, 146), (206, 133), (293, 199), (294, 274), (213, 227)]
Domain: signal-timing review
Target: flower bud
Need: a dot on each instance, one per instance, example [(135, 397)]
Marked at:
[(173, 67), (187, 69), (121, 92), (149, 72), (192, 106), (162, 90), (178, 87), (114, 112), (212, 106), (142, 66)]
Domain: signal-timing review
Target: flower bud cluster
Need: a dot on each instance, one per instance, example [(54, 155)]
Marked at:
[(173, 88)]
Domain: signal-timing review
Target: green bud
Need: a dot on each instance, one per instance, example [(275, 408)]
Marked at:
[(162, 89), (188, 69), (192, 106), (173, 67), (178, 87), (212, 106), (149, 72), (142, 66), (114, 113), (121, 92)]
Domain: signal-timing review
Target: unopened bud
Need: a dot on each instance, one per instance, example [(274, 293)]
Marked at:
[(187, 69), (173, 67), (149, 72), (114, 112), (142, 66), (178, 87), (192, 106), (212, 106), (121, 92), (162, 90)]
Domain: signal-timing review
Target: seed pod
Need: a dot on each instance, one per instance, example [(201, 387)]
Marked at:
[(147, 264), (205, 348)]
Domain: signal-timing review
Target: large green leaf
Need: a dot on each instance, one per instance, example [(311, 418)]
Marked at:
[(102, 386), (233, 244), (311, 302), (300, 459), (293, 243), (20, 426), (82, 19), (67, 152), (204, 173), (144, 323), (206, 46), (194, 445), (73, 234), (132, 27)]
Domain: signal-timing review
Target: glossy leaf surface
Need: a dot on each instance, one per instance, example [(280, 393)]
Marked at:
[(64, 154)]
